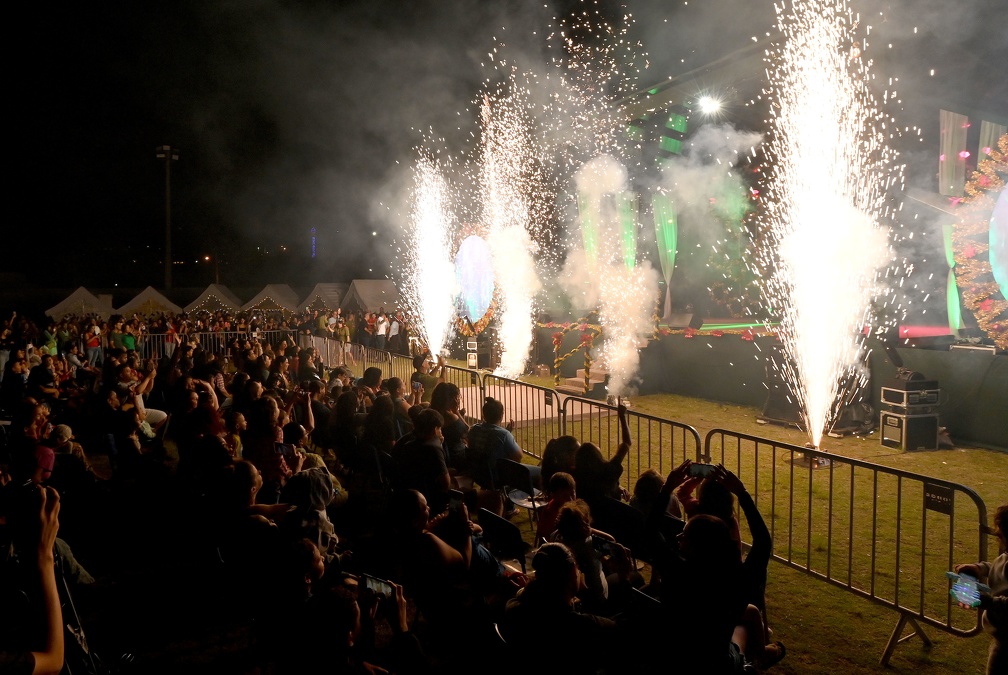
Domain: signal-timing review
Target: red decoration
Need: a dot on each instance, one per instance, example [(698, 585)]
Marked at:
[(558, 338), (748, 335), (586, 339), (970, 251), (717, 333), (690, 332), (986, 305)]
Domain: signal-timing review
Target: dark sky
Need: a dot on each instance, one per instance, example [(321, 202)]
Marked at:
[(293, 114)]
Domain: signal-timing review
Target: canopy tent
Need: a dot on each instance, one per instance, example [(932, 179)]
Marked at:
[(325, 297), (149, 301), (214, 299), (273, 297), (82, 302), (371, 295)]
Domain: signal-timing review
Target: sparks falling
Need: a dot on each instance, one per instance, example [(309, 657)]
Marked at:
[(832, 175), (430, 275), (508, 190)]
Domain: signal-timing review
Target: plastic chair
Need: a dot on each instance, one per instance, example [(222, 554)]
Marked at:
[(515, 479), (503, 537)]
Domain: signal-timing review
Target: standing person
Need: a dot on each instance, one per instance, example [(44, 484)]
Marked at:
[(426, 375), (995, 603), (381, 331), (343, 335), (93, 344), (394, 333)]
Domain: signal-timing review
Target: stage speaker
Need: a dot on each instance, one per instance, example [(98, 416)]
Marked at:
[(909, 432), (679, 320), (696, 322)]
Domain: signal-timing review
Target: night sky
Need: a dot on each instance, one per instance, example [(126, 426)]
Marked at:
[(299, 114)]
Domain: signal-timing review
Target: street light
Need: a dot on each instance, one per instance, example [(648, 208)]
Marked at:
[(167, 153)]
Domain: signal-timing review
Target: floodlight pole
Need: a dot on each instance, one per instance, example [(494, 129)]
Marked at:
[(167, 153)]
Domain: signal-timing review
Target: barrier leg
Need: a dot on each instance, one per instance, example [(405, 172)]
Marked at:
[(896, 638)]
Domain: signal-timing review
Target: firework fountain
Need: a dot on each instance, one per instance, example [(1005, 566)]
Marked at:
[(430, 286), (832, 176)]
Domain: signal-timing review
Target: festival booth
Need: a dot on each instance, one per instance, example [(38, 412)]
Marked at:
[(214, 299), (371, 295), (324, 298), (149, 302), (80, 303), (275, 297)]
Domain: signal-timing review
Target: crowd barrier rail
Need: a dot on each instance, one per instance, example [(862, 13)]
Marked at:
[(883, 534)]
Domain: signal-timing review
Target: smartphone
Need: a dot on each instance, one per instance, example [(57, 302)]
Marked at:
[(416, 386), (966, 589), (379, 586), (701, 470), (602, 546), (455, 501)]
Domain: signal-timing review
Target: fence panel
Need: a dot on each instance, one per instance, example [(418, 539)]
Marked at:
[(657, 443), (401, 367), (881, 533), (536, 411)]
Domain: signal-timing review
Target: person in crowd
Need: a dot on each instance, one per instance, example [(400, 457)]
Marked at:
[(646, 491), (719, 632), (597, 477), (488, 442), (369, 387), (401, 405), (426, 376), (548, 602), (421, 462), (36, 645), (557, 456), (561, 490), (994, 603), (447, 400), (381, 330)]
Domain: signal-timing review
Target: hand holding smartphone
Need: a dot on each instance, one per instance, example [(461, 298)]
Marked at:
[(966, 589), (379, 586), (697, 470)]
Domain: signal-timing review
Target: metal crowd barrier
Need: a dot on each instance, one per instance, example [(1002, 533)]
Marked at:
[(884, 534), (658, 443)]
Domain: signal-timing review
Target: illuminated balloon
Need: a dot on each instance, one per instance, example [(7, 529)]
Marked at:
[(475, 277)]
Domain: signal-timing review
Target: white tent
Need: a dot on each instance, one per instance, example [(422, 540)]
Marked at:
[(324, 297), (149, 301), (274, 296), (371, 295), (213, 299), (81, 302)]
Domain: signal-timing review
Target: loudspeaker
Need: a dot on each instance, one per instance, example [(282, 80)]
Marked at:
[(909, 432)]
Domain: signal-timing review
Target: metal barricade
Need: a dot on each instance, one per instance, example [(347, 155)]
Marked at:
[(883, 534), (402, 367), (536, 411), (658, 443)]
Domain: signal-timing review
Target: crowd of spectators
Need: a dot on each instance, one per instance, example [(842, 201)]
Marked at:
[(341, 513)]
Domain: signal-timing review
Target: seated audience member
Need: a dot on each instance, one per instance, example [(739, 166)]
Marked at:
[(309, 493), (340, 634), (489, 442), (542, 620), (558, 456), (597, 477), (421, 462), (646, 491), (717, 632), (574, 530), (72, 472), (368, 388), (561, 490), (447, 400), (995, 603)]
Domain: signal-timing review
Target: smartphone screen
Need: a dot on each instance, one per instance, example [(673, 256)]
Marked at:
[(455, 501), (602, 546), (965, 589), (416, 386), (701, 470), (377, 585)]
